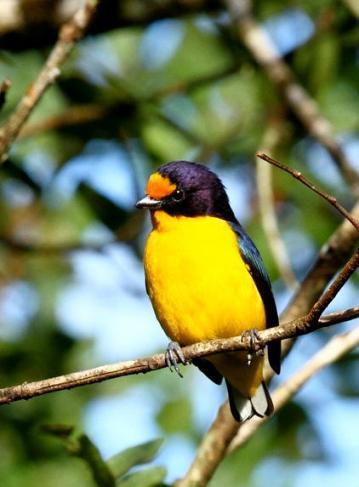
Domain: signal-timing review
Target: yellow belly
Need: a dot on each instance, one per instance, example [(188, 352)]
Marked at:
[(198, 283)]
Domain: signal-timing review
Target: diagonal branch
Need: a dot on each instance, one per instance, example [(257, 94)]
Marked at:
[(158, 361), (336, 348), (322, 303), (70, 32), (259, 44), (299, 176)]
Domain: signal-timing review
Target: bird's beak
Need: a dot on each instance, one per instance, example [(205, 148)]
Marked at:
[(148, 202)]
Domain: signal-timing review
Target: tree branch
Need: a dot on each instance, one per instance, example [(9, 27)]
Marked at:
[(303, 106), (22, 246), (336, 348), (158, 361), (74, 115), (272, 137), (70, 32), (299, 176)]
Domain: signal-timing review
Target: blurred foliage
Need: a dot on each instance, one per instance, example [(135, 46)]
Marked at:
[(116, 472), (172, 84)]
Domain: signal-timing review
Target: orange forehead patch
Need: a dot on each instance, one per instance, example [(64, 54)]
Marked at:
[(159, 187)]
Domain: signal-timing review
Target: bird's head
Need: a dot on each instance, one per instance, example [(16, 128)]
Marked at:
[(182, 188)]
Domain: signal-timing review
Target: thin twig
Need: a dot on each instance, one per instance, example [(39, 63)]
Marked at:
[(259, 44), (269, 219), (75, 115), (333, 254), (71, 32), (336, 348), (341, 316), (299, 176), (21, 246), (158, 361)]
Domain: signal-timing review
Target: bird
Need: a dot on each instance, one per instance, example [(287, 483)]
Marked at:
[(206, 280)]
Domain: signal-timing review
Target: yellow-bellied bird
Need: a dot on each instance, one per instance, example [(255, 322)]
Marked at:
[(206, 279)]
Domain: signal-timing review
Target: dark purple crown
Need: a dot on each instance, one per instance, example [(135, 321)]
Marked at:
[(204, 193)]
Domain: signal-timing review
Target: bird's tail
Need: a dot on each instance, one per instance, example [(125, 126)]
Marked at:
[(244, 408)]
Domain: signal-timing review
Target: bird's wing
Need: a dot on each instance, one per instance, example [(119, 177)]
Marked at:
[(252, 258)]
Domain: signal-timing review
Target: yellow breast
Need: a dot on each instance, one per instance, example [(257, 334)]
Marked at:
[(198, 283)]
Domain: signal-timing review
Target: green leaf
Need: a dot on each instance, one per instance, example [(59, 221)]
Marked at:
[(82, 447), (175, 416), (86, 450), (150, 477), (137, 455)]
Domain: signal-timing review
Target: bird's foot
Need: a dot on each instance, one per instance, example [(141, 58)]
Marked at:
[(174, 355), (255, 344)]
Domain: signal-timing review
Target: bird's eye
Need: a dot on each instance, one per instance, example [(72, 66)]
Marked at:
[(178, 195)]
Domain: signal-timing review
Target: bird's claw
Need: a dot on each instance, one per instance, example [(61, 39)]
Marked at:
[(174, 355), (255, 345)]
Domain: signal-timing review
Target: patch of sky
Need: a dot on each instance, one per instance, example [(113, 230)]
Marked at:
[(239, 187), (97, 233), (194, 153), (160, 42), (350, 143), (107, 302), (301, 248), (176, 455), (289, 29), (337, 421), (106, 167), (118, 422), (18, 304), (333, 418), (319, 161), (180, 109), (16, 193), (97, 60), (272, 468), (318, 387), (140, 166), (205, 24), (344, 299), (221, 107), (40, 166), (206, 398)]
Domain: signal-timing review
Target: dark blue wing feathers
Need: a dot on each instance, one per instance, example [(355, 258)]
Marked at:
[(254, 261)]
